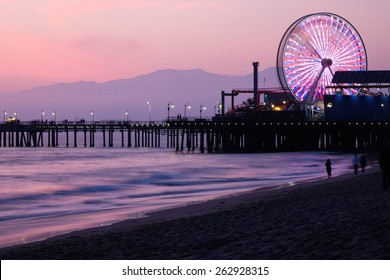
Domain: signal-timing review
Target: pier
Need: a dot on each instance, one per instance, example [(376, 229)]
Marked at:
[(230, 136)]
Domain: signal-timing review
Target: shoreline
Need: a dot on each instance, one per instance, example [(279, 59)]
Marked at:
[(140, 185), (150, 215), (174, 212), (276, 218)]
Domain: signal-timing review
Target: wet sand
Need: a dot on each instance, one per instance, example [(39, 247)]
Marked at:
[(347, 217)]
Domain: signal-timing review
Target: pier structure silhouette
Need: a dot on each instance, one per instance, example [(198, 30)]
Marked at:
[(202, 135)]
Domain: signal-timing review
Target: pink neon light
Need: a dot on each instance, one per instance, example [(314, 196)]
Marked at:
[(314, 38)]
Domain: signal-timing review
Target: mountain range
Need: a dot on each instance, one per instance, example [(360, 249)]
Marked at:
[(110, 100)]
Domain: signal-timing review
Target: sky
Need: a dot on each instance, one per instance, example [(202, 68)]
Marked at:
[(50, 41)]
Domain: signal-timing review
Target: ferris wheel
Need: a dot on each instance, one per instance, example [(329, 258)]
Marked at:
[(312, 49)]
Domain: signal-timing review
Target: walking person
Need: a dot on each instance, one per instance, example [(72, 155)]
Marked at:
[(328, 165), (355, 162), (363, 163), (384, 163)]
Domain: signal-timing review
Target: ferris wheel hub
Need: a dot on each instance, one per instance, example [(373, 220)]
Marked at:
[(326, 62)]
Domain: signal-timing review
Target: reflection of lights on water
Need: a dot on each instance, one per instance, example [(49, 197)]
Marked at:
[(286, 185)]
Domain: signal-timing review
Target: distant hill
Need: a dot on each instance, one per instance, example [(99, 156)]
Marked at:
[(110, 100)]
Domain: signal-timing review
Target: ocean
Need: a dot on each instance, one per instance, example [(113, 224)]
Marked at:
[(50, 191)]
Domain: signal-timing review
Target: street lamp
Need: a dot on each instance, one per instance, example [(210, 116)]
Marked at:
[(150, 110), (54, 116), (16, 115), (93, 116), (217, 108), (202, 108), (5, 115), (42, 114), (170, 106), (186, 106), (382, 108), (127, 115)]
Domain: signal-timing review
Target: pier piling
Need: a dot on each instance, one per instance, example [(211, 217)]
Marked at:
[(220, 136)]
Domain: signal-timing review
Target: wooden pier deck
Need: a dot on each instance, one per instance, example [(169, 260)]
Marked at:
[(201, 135)]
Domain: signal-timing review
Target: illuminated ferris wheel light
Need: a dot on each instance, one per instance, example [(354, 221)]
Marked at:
[(312, 49)]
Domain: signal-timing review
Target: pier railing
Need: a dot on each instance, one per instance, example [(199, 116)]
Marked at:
[(202, 135)]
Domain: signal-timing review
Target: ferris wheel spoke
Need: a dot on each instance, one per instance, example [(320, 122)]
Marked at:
[(314, 51), (312, 93), (330, 70), (306, 46)]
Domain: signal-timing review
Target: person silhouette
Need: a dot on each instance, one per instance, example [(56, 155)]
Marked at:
[(328, 165), (384, 163), (363, 163)]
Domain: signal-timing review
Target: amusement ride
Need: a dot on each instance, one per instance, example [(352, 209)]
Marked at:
[(311, 50)]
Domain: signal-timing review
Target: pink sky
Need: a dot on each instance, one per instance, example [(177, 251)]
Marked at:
[(48, 41)]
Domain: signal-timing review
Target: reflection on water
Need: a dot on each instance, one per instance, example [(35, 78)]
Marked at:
[(46, 191)]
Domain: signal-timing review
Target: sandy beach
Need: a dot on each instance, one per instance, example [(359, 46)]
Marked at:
[(347, 217)]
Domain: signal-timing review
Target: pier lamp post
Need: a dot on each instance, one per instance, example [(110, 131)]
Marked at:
[(16, 115), (382, 108), (5, 115), (170, 106), (186, 106), (93, 116), (202, 108), (54, 116), (127, 116), (150, 110), (217, 108), (42, 114)]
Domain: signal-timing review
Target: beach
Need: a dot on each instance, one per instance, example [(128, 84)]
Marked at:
[(346, 217)]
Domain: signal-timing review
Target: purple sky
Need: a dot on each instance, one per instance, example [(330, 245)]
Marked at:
[(48, 41)]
